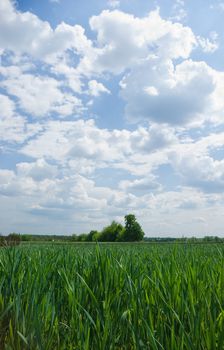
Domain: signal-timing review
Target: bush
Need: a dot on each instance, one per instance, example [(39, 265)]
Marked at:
[(13, 239), (2, 241)]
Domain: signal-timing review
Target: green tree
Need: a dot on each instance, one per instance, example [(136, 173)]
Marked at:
[(96, 237), (111, 233), (26, 238), (82, 237), (13, 239), (133, 231), (2, 240), (90, 236), (74, 238)]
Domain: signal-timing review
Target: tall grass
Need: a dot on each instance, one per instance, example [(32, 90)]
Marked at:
[(83, 297)]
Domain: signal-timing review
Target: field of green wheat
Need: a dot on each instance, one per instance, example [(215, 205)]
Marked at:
[(102, 297)]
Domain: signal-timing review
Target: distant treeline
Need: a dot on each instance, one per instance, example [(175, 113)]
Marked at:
[(11, 239), (16, 238), (115, 232), (212, 239)]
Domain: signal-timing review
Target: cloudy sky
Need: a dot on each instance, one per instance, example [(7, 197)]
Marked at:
[(108, 108)]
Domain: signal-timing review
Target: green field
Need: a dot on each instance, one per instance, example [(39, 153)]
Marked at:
[(121, 296)]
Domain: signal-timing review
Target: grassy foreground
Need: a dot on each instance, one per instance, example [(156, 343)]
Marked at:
[(136, 296)]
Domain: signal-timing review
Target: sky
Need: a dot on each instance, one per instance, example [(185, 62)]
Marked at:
[(112, 107)]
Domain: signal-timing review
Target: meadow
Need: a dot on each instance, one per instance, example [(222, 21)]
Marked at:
[(112, 296)]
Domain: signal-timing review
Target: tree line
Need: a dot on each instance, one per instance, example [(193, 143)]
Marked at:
[(115, 232), (10, 240)]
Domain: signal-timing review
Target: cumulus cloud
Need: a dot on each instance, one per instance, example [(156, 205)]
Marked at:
[(202, 172), (45, 192), (61, 191), (14, 127), (38, 170), (6, 176), (147, 140), (69, 140), (123, 39), (74, 169), (140, 186), (78, 139), (194, 162), (96, 88), (154, 88), (41, 95), (36, 37), (188, 93)]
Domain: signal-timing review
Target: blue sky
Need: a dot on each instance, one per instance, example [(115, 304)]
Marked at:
[(108, 108)]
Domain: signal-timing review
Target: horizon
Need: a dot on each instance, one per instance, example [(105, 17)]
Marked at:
[(111, 107)]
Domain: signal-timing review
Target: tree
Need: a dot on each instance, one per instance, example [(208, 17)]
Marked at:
[(2, 240), (91, 235), (26, 238), (74, 238), (96, 236), (13, 239), (133, 231), (82, 237), (111, 233)]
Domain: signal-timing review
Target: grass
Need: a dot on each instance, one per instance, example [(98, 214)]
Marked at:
[(124, 296)]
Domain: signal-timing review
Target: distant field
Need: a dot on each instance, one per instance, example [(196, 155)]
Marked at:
[(112, 296)]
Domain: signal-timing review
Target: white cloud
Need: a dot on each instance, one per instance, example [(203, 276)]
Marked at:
[(48, 194), (179, 12), (210, 44), (141, 187), (38, 170), (6, 176), (7, 107), (89, 174), (13, 127), (113, 3), (69, 140), (123, 39), (200, 171), (151, 90), (78, 139), (59, 192), (186, 94), (41, 95), (70, 74), (96, 88), (156, 137), (36, 37)]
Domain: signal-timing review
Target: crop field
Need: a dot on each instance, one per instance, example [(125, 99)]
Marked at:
[(121, 296)]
